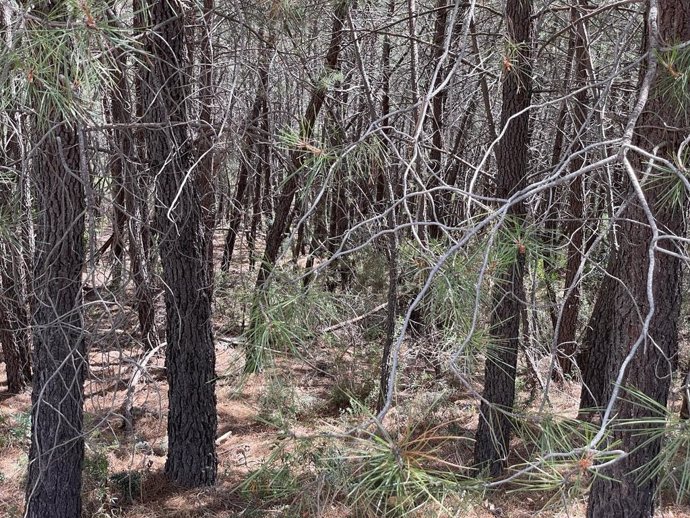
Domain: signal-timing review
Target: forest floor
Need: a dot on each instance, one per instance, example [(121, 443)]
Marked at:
[(115, 460), (123, 474), (264, 468)]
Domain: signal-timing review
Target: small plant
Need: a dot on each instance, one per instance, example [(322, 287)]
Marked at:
[(395, 474), (279, 402), (671, 466), (353, 384), (515, 59), (446, 311), (558, 462), (284, 318), (271, 483), (97, 497), (675, 76), (96, 467), (15, 430), (279, 479), (127, 483)]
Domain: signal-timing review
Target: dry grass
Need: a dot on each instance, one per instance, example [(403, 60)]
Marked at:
[(249, 427)]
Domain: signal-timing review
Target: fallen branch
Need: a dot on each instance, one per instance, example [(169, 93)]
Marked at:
[(335, 327), (131, 387)]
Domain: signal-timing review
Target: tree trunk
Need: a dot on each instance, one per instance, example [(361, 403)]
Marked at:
[(116, 242), (573, 227), (624, 306), (207, 180), (190, 354), (283, 212), (251, 152), (494, 429), (57, 445), (15, 334)]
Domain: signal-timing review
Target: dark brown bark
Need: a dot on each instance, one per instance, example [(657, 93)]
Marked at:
[(133, 191), (190, 353), (494, 429), (573, 227), (57, 445), (623, 304)]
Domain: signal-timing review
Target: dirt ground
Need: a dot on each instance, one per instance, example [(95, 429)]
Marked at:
[(123, 472), (245, 442)]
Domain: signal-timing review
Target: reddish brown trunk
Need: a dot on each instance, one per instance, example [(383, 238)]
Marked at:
[(623, 303)]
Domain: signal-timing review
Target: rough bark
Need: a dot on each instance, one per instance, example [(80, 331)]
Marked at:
[(190, 353), (573, 227), (57, 446), (133, 191), (494, 429), (622, 308)]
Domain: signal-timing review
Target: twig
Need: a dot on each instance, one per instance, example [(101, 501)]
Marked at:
[(129, 398), (339, 325)]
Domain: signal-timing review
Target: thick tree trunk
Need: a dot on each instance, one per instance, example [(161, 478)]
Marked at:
[(622, 308), (57, 445), (494, 429), (190, 358)]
